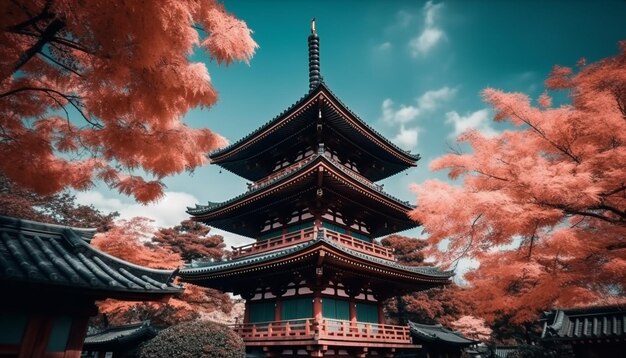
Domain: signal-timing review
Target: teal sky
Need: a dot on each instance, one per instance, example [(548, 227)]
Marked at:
[(413, 70)]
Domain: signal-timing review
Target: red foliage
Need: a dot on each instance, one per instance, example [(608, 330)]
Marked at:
[(191, 240), (58, 208), (121, 69), (556, 184), (408, 250), (131, 241)]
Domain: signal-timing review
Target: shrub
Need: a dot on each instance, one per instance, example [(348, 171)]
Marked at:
[(193, 339)]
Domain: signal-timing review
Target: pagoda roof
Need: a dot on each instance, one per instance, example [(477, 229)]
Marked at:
[(585, 323), (293, 176), (118, 335), (438, 334), (56, 257), (298, 117), (373, 265)]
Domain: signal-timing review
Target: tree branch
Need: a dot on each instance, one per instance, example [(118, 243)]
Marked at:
[(60, 64), (69, 98), (47, 35)]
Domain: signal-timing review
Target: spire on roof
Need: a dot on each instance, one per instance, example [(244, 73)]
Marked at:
[(314, 58)]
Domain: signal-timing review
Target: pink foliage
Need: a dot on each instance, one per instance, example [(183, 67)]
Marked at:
[(472, 327), (90, 92), (556, 183)]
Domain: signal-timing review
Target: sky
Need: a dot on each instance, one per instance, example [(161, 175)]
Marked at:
[(413, 70)]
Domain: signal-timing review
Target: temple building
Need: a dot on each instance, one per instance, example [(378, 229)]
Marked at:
[(585, 332), (51, 277), (315, 280)]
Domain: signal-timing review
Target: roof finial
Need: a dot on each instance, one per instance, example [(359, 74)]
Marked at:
[(314, 58)]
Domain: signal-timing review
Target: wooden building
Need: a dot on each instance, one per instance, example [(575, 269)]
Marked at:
[(438, 341), (118, 341), (51, 277), (587, 332), (314, 280)]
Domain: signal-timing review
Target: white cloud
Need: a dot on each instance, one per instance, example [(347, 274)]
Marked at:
[(407, 138), (400, 116), (169, 211), (385, 46), (431, 99), (431, 35), (479, 120)]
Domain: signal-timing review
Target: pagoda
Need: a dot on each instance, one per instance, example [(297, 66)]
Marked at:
[(315, 280)]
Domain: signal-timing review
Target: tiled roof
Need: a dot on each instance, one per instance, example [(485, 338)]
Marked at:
[(199, 268), (585, 323), (306, 97), (211, 206), (59, 256), (438, 334), (120, 334)]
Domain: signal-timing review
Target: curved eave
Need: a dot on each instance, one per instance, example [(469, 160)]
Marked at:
[(309, 251), (229, 156), (366, 129), (59, 258), (282, 183)]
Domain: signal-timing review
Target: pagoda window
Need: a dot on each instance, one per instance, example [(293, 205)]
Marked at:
[(296, 308), (290, 292), (262, 311), (336, 309), (342, 293), (367, 312), (304, 290)]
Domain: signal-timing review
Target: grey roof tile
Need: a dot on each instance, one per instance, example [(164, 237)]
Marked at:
[(208, 267), (53, 255), (438, 334), (120, 334)]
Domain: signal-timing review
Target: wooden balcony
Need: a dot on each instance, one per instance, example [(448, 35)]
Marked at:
[(310, 234), (325, 331)]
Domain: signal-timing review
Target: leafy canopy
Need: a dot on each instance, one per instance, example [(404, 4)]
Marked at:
[(557, 184), (94, 92)]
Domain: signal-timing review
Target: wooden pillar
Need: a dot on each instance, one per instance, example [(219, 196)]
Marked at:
[(317, 304), (381, 313), (278, 310), (352, 308), (246, 312), (77, 337)]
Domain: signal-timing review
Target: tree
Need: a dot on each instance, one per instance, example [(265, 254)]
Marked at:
[(472, 327), (60, 208), (93, 92), (434, 306), (191, 240), (132, 240), (556, 185), (408, 250), (195, 339)]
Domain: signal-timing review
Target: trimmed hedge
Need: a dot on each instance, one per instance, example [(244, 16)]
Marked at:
[(193, 339)]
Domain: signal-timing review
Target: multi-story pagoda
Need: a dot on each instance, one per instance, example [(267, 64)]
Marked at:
[(314, 280)]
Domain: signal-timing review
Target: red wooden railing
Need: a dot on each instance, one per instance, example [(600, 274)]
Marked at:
[(360, 245), (329, 329), (310, 234), (275, 242)]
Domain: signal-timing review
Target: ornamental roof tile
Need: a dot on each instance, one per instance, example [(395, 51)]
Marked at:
[(200, 268), (438, 334), (58, 256)]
